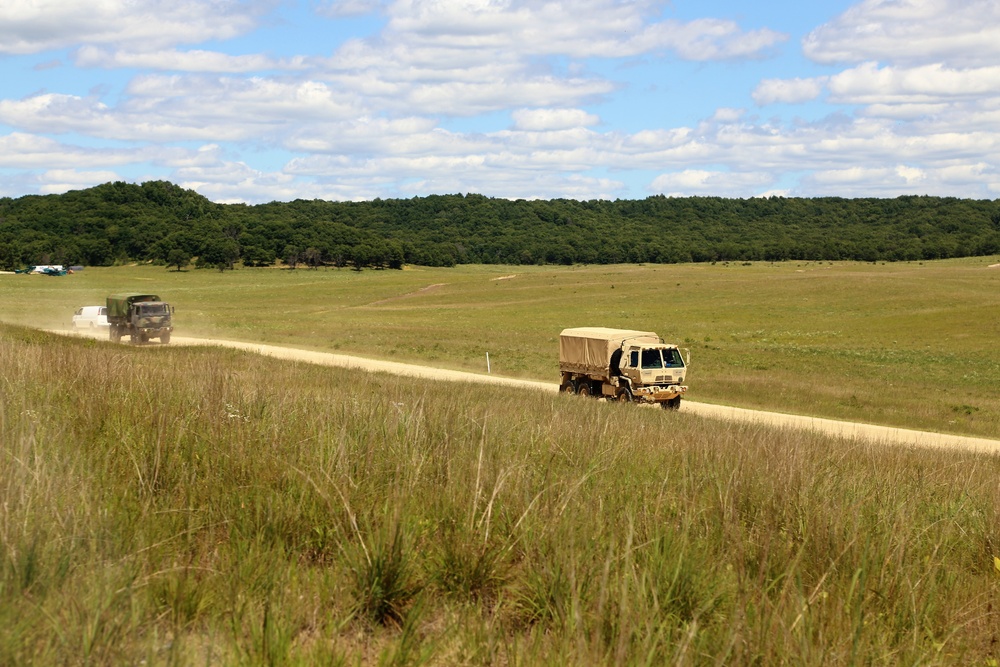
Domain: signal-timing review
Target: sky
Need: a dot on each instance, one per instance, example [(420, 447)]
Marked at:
[(275, 100)]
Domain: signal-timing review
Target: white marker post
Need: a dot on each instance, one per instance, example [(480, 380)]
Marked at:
[(488, 371)]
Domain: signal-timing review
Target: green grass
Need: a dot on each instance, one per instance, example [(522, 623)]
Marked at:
[(910, 344), (176, 506)]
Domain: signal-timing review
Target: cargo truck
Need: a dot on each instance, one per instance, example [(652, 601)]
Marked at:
[(622, 365), (140, 316)]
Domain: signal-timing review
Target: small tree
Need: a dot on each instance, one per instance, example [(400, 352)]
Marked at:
[(178, 257), (312, 256), (220, 253)]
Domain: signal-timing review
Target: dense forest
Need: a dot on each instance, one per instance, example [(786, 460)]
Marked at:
[(162, 222)]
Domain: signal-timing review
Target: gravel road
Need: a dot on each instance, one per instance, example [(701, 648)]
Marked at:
[(871, 432)]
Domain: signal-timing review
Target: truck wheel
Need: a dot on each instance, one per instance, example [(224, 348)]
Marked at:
[(624, 396), (566, 388), (165, 338), (583, 389), (116, 335), (672, 404)]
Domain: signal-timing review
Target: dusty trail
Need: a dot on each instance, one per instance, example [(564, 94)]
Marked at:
[(871, 432)]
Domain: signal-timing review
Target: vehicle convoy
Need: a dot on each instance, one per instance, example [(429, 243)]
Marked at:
[(140, 316), (621, 365)]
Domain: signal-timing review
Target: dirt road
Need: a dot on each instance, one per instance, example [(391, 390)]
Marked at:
[(882, 434)]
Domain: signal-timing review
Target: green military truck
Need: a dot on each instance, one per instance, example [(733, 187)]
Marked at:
[(621, 365), (140, 316)]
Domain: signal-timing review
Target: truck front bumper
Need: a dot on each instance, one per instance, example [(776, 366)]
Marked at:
[(659, 394)]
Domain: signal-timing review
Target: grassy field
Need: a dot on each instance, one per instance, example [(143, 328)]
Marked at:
[(911, 345), (193, 506)]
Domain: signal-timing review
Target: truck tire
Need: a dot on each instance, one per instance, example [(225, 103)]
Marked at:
[(672, 404), (583, 389), (623, 395), (165, 338), (116, 334)]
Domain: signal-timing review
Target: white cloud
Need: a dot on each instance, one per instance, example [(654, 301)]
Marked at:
[(713, 39), (532, 120), (789, 91), (346, 8), (955, 180), (701, 182), (728, 115), (33, 26), (468, 57), (959, 33), (19, 150), (185, 61), (579, 29), (870, 84), (179, 108), (57, 181)]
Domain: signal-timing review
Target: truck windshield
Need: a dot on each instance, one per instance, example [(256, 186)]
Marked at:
[(673, 359), (158, 309), (651, 359)]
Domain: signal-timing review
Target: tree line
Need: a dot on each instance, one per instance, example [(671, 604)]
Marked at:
[(161, 222)]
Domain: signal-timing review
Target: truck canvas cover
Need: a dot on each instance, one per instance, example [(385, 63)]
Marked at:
[(118, 303), (590, 348)]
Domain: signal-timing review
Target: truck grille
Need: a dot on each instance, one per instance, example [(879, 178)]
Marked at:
[(664, 379)]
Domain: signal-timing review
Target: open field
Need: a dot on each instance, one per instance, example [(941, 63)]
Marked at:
[(181, 505), (910, 345)]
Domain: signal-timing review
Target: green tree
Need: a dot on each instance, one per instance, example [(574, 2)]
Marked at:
[(178, 257), (220, 253)]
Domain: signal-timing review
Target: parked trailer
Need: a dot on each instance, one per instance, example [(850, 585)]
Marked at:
[(622, 365)]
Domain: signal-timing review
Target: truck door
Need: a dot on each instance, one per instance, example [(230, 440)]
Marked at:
[(630, 365)]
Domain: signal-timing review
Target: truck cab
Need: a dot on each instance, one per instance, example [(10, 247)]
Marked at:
[(654, 372), (653, 365)]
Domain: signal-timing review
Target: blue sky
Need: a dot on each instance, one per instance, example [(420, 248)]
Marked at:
[(263, 100)]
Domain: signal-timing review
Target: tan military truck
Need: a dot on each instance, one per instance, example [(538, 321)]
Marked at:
[(140, 316), (621, 365)]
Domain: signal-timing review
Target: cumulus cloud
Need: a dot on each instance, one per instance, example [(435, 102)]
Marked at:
[(870, 84), (969, 180), (181, 108), (703, 182), (958, 33), (57, 181), (20, 150), (185, 61), (348, 8), (596, 28), (790, 91), (33, 26), (552, 119)]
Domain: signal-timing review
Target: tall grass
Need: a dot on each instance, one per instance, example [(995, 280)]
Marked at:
[(198, 506)]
